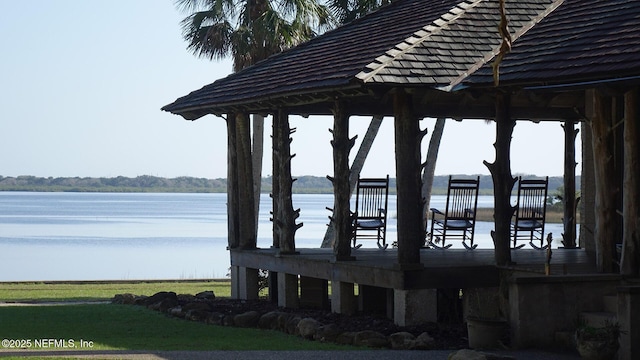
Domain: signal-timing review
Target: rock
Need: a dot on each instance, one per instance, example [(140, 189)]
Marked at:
[(269, 320), (292, 325), (370, 338), (283, 319), (124, 299), (215, 318), (228, 320), (402, 340), (162, 301), (466, 354), (206, 295), (327, 333), (424, 341), (197, 315), (176, 311), (308, 327), (247, 319), (196, 305), (346, 338)]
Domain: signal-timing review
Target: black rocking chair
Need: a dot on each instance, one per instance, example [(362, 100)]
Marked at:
[(529, 217), (458, 221), (370, 217)]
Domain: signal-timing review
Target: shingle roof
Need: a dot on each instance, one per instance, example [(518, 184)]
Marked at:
[(582, 40), (409, 42)]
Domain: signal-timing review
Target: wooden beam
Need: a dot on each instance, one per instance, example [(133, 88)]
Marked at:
[(408, 137)]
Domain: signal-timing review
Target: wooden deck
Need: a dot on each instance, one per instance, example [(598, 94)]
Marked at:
[(451, 268)]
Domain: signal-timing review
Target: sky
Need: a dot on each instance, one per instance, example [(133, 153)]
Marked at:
[(82, 84)]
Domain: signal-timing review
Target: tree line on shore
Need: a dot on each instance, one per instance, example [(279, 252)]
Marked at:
[(186, 184)]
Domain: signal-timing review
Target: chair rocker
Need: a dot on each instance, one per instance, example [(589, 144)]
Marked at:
[(370, 216), (458, 221), (529, 217)]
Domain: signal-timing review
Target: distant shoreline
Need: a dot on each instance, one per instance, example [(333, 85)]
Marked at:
[(185, 184)]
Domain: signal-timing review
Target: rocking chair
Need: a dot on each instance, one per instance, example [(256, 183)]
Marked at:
[(531, 208), (458, 221), (370, 217)]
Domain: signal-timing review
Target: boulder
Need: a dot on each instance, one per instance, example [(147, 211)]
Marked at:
[(308, 327), (424, 341), (346, 338), (228, 320), (161, 301), (269, 320), (206, 295), (283, 319), (292, 325), (196, 305), (124, 299), (370, 338), (247, 319), (215, 318), (197, 315), (327, 333), (176, 311), (466, 354), (402, 340)]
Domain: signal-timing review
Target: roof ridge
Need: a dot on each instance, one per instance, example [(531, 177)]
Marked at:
[(416, 38), (523, 30)]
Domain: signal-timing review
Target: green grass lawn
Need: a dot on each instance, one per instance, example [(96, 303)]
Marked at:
[(96, 291), (127, 327)]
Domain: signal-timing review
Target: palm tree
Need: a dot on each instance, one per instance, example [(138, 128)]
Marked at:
[(249, 31)]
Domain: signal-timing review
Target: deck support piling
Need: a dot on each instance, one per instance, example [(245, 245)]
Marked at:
[(244, 283), (414, 307), (288, 291), (343, 299)]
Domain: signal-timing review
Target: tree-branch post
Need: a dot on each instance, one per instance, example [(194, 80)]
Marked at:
[(342, 217), (232, 184), (569, 197), (246, 208), (408, 136), (601, 122), (503, 181), (630, 261), (284, 216)]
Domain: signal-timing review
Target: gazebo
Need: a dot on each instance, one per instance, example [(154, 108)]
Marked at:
[(415, 59)]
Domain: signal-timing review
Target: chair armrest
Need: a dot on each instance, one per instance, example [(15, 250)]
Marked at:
[(436, 211), (381, 212)]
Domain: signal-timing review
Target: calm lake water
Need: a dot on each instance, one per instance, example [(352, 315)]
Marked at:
[(113, 236)]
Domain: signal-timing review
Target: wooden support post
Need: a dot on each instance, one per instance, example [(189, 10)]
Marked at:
[(341, 217), (288, 291), (601, 123), (411, 233), (244, 283), (503, 181), (569, 201), (283, 216), (314, 293), (587, 192), (246, 208), (232, 184), (343, 299), (630, 261)]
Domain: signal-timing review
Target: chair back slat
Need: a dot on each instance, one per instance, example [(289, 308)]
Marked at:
[(462, 198), (531, 209), (370, 222)]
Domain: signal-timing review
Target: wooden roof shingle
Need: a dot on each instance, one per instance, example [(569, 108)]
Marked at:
[(433, 43), (581, 41)]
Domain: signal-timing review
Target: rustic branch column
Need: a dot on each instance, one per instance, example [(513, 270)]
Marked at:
[(246, 208), (569, 201), (232, 184), (341, 217), (408, 136), (503, 181), (601, 122), (630, 261), (283, 215)]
